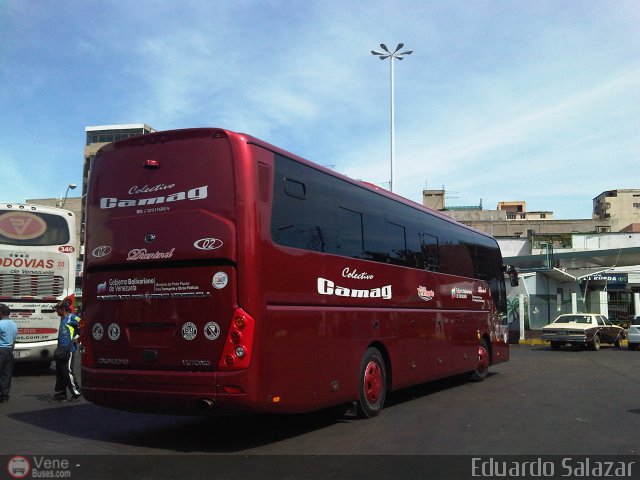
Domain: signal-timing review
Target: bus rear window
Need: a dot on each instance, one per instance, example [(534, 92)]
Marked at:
[(33, 229)]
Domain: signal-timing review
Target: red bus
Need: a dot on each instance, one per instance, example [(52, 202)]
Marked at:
[(223, 273)]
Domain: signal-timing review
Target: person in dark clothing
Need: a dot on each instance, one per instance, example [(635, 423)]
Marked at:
[(67, 334), (8, 334)]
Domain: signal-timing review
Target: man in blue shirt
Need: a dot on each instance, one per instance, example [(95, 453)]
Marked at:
[(67, 334), (8, 334)]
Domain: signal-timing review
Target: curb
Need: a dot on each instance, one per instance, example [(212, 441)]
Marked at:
[(537, 341), (532, 341)]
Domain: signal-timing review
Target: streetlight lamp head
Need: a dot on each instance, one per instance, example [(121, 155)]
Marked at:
[(71, 186), (381, 55), (384, 47)]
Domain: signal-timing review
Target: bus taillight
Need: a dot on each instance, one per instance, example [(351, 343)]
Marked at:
[(236, 354)]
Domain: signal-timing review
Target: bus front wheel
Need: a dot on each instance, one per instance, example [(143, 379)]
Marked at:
[(372, 383)]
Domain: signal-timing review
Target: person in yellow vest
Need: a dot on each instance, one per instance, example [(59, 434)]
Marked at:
[(65, 353)]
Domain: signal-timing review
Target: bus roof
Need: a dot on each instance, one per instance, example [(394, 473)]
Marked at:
[(250, 139)]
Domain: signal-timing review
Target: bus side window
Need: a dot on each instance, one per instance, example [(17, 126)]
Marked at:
[(300, 217), (295, 189), (358, 211), (430, 252), (349, 236), (397, 241)]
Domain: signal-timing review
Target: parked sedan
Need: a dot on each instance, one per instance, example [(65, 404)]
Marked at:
[(634, 333), (582, 329)]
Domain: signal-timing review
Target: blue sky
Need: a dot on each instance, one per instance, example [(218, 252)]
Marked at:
[(501, 100)]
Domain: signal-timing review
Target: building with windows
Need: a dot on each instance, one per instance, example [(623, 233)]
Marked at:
[(620, 208), (511, 219), (583, 265)]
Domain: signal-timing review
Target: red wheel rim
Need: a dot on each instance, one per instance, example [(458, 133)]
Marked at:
[(483, 359), (372, 382)]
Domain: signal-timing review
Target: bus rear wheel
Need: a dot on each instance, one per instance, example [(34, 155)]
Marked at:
[(372, 383), (482, 370)]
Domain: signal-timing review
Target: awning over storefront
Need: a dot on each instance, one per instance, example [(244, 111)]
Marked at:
[(567, 266)]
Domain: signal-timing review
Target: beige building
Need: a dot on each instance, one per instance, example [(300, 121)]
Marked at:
[(613, 211), (511, 219), (433, 199), (620, 208)]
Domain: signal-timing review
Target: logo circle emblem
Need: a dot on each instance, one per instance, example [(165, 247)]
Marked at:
[(208, 243), (189, 331), (114, 331), (97, 331), (101, 251), (220, 280), (212, 330), (21, 225), (18, 467)]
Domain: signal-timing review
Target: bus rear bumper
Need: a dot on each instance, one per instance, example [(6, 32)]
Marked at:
[(34, 351), (170, 392)]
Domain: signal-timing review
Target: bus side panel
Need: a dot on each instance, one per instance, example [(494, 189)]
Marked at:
[(339, 357), (414, 357), (424, 338), (291, 358)]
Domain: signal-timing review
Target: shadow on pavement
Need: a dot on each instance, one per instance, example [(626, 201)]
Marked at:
[(211, 434)]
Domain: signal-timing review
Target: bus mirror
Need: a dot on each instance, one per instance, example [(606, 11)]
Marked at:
[(513, 275)]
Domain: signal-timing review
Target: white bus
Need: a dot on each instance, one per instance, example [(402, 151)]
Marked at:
[(38, 253)]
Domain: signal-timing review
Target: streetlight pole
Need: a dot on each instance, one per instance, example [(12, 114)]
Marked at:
[(71, 186), (391, 56)]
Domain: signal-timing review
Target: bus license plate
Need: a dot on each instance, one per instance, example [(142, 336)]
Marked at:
[(17, 353)]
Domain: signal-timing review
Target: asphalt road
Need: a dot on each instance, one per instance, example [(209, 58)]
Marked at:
[(542, 402)]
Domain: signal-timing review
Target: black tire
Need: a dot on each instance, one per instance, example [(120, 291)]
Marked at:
[(372, 383), (595, 343), (632, 346), (556, 345), (618, 341), (482, 370)]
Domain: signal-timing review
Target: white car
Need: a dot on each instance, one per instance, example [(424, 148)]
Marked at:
[(587, 329), (633, 335)]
